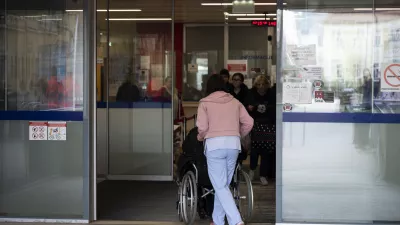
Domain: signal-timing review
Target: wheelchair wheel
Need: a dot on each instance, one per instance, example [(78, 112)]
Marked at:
[(179, 203), (188, 198), (243, 194)]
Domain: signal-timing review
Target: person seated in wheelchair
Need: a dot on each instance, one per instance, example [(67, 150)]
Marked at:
[(193, 156), (222, 121)]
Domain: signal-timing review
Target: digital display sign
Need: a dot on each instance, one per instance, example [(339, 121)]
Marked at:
[(263, 23)]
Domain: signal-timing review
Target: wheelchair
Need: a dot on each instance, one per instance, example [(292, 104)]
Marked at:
[(195, 193)]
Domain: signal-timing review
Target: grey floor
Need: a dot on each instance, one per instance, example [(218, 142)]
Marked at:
[(155, 201)]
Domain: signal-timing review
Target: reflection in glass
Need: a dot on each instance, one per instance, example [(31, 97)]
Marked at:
[(204, 49), (43, 63), (41, 68), (340, 172)]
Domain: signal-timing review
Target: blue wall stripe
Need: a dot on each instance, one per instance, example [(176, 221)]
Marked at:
[(340, 117), (42, 115), (134, 105)]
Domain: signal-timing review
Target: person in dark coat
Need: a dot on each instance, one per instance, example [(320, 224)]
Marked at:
[(128, 91), (225, 74), (262, 107), (239, 90)]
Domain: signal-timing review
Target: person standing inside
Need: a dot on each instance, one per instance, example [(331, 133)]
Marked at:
[(221, 121), (262, 107), (225, 75), (165, 93), (239, 90)]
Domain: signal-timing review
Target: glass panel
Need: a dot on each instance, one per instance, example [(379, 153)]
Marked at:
[(339, 154), (138, 85), (254, 51), (206, 52), (41, 53)]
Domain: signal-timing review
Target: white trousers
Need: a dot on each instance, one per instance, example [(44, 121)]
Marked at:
[(221, 167)]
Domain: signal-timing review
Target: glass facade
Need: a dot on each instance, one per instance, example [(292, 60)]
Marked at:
[(338, 94), (337, 91), (42, 79)]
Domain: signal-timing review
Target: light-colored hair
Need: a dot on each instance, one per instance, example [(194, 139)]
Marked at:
[(261, 79)]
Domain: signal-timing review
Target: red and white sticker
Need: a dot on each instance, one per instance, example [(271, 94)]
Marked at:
[(57, 131), (391, 78), (287, 107), (37, 131)]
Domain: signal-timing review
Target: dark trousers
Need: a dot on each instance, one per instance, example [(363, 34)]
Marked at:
[(267, 164), (263, 139)]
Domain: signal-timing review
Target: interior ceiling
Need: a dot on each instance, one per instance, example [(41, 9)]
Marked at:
[(342, 3), (186, 11)]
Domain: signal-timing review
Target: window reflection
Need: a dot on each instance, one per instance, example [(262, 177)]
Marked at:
[(42, 65), (352, 49), (204, 50)]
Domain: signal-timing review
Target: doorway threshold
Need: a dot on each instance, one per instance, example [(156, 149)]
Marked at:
[(123, 222)]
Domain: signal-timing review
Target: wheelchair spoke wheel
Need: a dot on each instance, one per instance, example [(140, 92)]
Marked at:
[(179, 203), (189, 198), (243, 194)]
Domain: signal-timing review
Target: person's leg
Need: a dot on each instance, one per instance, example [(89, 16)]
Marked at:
[(231, 160), (254, 154), (264, 168), (217, 162), (218, 214)]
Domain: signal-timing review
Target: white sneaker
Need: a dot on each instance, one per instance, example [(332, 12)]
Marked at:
[(251, 175), (264, 181)]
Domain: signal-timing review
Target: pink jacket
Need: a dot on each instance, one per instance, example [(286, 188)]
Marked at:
[(220, 114)]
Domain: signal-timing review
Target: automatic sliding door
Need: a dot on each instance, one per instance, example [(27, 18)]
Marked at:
[(137, 48)]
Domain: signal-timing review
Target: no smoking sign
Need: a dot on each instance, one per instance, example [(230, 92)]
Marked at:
[(391, 78)]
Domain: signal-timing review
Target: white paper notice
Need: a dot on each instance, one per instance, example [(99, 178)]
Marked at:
[(144, 76), (312, 73), (302, 55), (156, 70), (37, 131), (192, 68), (57, 131), (145, 62), (297, 93)]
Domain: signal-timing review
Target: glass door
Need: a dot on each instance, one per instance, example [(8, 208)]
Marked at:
[(135, 103)]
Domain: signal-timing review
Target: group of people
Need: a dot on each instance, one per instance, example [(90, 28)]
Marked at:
[(228, 114), (260, 102)]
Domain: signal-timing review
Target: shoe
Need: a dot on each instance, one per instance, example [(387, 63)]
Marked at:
[(264, 181), (251, 175)]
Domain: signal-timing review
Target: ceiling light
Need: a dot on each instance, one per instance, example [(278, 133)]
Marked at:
[(377, 9), (120, 10), (215, 4), (58, 19), (139, 19), (223, 4), (252, 14), (249, 18), (105, 10)]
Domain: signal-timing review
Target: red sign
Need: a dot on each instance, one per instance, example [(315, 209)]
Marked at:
[(237, 67), (319, 94), (33, 123), (263, 23), (57, 124)]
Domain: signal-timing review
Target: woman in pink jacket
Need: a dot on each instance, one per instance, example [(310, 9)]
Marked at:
[(221, 121)]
